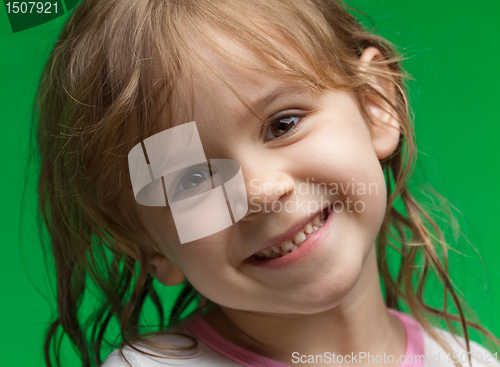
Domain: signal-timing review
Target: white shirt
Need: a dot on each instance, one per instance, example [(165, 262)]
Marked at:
[(214, 351)]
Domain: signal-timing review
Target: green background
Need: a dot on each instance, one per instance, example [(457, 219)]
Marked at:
[(455, 51)]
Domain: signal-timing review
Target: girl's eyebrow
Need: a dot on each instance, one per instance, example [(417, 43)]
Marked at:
[(285, 90), (281, 92)]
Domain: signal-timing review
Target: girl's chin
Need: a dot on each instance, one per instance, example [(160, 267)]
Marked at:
[(295, 307)]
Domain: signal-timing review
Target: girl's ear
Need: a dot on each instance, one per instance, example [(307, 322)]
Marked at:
[(384, 129), (165, 271)]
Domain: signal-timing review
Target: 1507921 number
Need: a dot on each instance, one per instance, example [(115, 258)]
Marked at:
[(462, 356), (31, 7)]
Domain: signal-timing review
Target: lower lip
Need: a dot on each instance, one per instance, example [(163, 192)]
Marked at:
[(307, 247)]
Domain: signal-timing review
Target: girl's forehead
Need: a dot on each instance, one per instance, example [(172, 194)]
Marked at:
[(234, 75), (215, 105), (222, 76)]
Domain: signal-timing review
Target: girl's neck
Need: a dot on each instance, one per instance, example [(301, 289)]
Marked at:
[(359, 323)]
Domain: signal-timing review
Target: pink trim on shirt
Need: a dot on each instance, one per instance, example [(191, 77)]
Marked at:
[(205, 333), (414, 340)]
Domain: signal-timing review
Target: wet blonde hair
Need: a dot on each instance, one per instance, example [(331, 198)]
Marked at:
[(114, 64)]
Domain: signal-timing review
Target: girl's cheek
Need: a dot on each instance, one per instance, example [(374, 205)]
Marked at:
[(343, 158), (159, 223), (205, 251)]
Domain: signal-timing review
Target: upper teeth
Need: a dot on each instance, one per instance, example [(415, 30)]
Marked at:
[(293, 244)]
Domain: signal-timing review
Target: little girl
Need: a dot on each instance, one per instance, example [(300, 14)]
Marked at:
[(141, 104)]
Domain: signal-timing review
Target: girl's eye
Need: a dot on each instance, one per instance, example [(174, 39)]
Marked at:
[(192, 179), (281, 126), (191, 182)]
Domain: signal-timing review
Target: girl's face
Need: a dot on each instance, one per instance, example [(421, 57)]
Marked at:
[(315, 152)]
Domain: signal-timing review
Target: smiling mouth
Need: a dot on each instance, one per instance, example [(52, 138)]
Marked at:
[(293, 244)]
